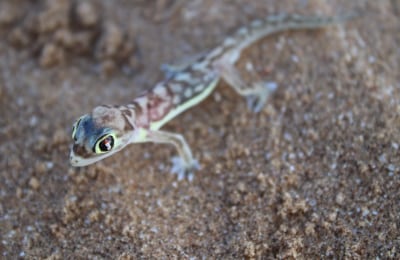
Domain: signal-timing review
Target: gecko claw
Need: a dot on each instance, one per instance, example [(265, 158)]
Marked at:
[(256, 102), (184, 170)]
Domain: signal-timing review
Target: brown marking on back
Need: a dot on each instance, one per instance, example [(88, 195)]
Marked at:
[(141, 112), (137, 108), (127, 112), (158, 106), (128, 126)]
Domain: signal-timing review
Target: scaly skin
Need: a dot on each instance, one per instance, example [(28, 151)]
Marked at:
[(108, 129)]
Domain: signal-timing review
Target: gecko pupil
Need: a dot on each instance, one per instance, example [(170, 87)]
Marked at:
[(107, 144)]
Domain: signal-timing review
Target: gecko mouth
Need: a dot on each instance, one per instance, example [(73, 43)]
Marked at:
[(77, 161), (74, 161)]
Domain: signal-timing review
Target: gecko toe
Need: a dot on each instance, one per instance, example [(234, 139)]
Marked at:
[(253, 103), (257, 101), (184, 170)]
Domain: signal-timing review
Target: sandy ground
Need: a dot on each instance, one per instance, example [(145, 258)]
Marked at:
[(315, 174)]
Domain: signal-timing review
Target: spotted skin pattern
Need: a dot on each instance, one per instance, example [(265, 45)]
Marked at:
[(108, 129)]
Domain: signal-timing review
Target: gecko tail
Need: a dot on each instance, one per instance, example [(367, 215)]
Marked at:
[(261, 28)]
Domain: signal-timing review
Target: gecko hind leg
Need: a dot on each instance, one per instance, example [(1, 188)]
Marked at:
[(256, 93), (183, 165)]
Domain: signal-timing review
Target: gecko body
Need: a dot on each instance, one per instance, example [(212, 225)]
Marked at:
[(108, 129)]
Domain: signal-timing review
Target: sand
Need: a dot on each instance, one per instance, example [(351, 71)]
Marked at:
[(315, 174)]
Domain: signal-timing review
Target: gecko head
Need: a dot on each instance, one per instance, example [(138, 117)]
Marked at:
[(98, 135)]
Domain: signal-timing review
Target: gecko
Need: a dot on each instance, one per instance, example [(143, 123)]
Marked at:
[(107, 129)]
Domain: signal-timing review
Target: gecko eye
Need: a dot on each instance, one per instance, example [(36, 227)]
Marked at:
[(104, 144), (74, 127)]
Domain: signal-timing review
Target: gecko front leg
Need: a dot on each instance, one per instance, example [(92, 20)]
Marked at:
[(185, 164)]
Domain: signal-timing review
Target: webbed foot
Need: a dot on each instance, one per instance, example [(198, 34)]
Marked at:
[(256, 102), (184, 170)]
